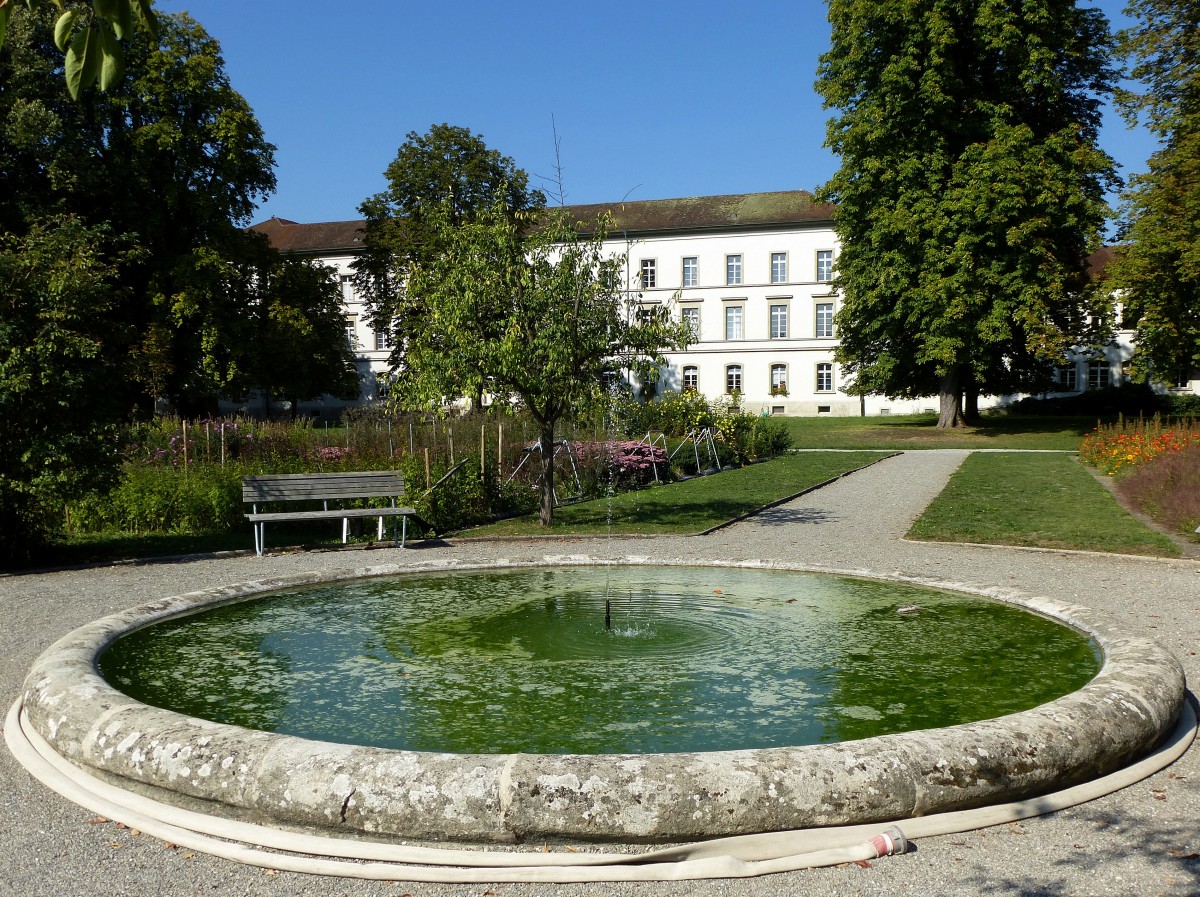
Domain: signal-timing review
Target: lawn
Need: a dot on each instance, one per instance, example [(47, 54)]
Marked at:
[(693, 505), (919, 431), (1042, 500)]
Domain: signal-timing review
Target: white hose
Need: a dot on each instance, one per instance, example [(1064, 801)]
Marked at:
[(737, 857)]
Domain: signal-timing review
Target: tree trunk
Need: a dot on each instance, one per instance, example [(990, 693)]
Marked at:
[(950, 397), (546, 442)]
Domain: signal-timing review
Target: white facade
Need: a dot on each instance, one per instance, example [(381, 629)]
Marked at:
[(753, 274), (763, 309)]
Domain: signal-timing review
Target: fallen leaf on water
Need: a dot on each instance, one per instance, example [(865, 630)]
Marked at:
[(716, 591)]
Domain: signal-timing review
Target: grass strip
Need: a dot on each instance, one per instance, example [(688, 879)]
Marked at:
[(1039, 500), (690, 506), (919, 431)]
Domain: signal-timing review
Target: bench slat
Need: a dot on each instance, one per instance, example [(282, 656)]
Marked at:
[(335, 514)]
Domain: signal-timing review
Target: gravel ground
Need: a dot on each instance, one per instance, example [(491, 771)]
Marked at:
[(1141, 841)]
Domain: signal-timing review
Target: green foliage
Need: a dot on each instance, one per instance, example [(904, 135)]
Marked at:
[(153, 499), (95, 52), (442, 179), (56, 381), (1157, 270), (970, 193)]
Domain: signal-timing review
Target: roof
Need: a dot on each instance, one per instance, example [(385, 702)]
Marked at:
[(698, 213), (291, 236), (689, 214), (1098, 262)]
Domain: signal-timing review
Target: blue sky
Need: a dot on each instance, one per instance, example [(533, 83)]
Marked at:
[(650, 100)]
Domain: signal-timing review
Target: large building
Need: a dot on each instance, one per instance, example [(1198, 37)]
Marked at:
[(751, 273)]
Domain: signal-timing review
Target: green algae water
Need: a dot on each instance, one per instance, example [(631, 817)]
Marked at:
[(691, 659)]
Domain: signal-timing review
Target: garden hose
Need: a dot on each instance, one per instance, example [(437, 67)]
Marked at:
[(736, 857)]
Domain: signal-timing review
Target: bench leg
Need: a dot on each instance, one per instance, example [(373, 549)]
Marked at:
[(379, 538), (345, 530), (260, 537), (403, 530)]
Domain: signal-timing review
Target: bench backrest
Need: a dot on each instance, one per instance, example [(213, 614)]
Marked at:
[(322, 486)]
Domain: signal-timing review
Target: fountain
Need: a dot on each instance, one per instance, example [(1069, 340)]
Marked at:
[(475, 796)]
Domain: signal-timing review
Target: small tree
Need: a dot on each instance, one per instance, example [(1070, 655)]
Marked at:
[(531, 309)]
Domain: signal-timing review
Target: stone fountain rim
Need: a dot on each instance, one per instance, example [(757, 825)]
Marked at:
[(1123, 712)]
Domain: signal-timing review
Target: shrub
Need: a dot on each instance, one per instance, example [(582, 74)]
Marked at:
[(154, 499), (1128, 399), (1168, 488)]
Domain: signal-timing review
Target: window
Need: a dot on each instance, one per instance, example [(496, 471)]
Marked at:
[(778, 267), (382, 340), (1098, 373), (1183, 379), (779, 380), (690, 315), (691, 271), (649, 274), (1065, 377), (733, 322), (733, 269), (779, 321), (824, 265), (691, 378), (824, 320), (825, 377), (733, 378), (351, 333), (347, 287)]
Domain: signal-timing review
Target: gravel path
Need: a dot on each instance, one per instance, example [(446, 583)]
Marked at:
[(1142, 841)]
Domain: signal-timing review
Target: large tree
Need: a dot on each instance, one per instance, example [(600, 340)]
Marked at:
[(525, 306), (173, 161), (971, 189), (1157, 271), (439, 180)]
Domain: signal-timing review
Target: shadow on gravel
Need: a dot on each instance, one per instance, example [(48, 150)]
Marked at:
[(788, 516), (1169, 865)]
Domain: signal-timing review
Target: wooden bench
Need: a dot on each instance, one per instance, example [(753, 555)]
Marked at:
[(324, 487)]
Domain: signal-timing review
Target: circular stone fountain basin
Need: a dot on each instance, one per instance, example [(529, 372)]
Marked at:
[(633, 796), (602, 660)]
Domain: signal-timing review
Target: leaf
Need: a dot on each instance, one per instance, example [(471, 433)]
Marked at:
[(93, 55), (73, 63), (5, 11), (144, 13), (123, 22), (105, 9), (62, 28), (112, 68)]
